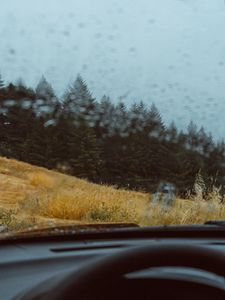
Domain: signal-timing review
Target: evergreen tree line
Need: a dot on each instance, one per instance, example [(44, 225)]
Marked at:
[(102, 141)]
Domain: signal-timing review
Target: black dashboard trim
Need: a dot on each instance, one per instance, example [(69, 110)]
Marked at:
[(182, 232)]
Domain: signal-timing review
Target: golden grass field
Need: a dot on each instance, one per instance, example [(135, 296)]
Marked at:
[(32, 197)]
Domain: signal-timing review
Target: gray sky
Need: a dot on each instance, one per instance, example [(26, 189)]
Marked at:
[(171, 52)]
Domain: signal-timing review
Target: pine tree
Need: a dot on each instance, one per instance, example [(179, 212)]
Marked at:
[(2, 84), (35, 145), (2, 94), (172, 132), (121, 120), (182, 139), (44, 90), (79, 103), (46, 104), (138, 118), (62, 141), (88, 163), (192, 136), (205, 142), (18, 117), (154, 123), (105, 141), (105, 118)]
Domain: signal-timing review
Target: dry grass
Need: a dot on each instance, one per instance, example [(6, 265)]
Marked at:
[(38, 197), (42, 180), (184, 212), (85, 202)]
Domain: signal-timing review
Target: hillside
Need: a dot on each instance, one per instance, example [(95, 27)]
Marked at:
[(31, 196), (37, 196)]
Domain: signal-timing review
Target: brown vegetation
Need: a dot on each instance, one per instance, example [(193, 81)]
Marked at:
[(32, 196)]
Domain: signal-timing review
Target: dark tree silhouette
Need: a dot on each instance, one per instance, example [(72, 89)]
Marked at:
[(104, 141)]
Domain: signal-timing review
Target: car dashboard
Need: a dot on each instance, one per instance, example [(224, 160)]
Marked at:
[(25, 264)]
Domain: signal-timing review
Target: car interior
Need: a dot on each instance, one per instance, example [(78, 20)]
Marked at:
[(128, 262)]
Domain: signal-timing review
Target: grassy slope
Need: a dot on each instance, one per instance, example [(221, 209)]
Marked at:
[(40, 196), (36, 196)]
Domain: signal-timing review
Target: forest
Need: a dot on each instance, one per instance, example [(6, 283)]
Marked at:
[(104, 141)]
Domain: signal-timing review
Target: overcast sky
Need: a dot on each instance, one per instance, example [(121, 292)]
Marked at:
[(171, 52)]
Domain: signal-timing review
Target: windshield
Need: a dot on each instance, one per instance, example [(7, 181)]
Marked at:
[(111, 112)]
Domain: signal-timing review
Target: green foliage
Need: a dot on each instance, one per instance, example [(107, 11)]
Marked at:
[(6, 217), (102, 141), (2, 84), (87, 163)]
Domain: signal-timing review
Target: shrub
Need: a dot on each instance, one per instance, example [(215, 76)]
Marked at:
[(6, 217)]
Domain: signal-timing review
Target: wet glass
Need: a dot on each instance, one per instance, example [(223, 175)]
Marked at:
[(102, 103)]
